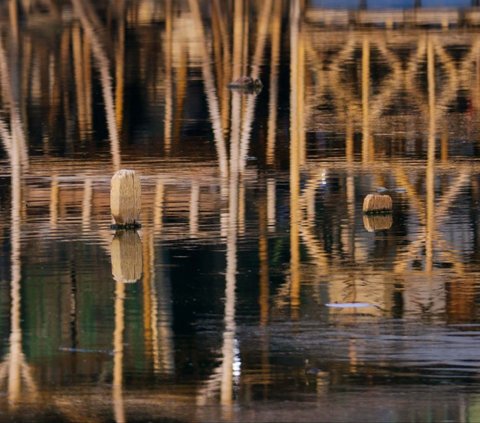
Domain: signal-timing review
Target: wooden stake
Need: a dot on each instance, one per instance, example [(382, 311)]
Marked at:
[(375, 203), (125, 199), (126, 250)]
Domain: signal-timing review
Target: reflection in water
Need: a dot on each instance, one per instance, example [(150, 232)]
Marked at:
[(126, 253), (117, 384), (295, 146), (258, 276), (14, 368), (83, 10)]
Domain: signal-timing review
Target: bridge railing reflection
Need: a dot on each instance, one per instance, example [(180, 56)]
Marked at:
[(335, 86)]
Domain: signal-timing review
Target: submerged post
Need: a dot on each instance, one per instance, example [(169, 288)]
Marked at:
[(125, 199)]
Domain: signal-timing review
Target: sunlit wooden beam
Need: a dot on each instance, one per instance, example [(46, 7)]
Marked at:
[(271, 204), (117, 384), (87, 203), (162, 301), (226, 62), (150, 303), (180, 90), (430, 177), (213, 105), (366, 137), (120, 65), (168, 44), (54, 197), (264, 279), (262, 32), (158, 205), (294, 161), (78, 63), (276, 26), (15, 354), (105, 78), (10, 88), (194, 209)]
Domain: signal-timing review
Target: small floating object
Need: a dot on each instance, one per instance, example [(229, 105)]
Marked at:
[(126, 252), (398, 190), (349, 305), (246, 83), (125, 199), (376, 203), (377, 222), (85, 350)]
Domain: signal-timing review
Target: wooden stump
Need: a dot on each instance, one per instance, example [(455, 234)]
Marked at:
[(375, 203), (126, 251), (125, 199)]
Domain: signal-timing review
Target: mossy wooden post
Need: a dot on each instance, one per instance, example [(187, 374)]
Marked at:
[(125, 199), (375, 203), (127, 261)]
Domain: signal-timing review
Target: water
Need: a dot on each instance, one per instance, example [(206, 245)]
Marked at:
[(256, 289)]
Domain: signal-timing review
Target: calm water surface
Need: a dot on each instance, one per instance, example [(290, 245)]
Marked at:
[(256, 289)]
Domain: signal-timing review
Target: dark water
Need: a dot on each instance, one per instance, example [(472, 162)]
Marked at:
[(256, 289)]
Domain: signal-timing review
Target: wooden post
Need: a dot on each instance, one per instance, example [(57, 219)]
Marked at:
[(375, 203), (125, 199)]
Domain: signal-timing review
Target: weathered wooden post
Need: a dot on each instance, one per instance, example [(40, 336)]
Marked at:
[(125, 199), (376, 203), (377, 211), (126, 247), (127, 261)]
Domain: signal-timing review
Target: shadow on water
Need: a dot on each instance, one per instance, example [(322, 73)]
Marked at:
[(256, 289)]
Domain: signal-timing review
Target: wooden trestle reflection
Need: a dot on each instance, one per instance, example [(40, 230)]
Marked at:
[(323, 97)]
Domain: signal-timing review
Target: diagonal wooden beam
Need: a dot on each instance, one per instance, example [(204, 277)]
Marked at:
[(212, 99), (84, 13)]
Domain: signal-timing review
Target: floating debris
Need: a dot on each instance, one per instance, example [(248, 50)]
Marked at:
[(85, 350), (398, 190), (349, 305), (246, 83)]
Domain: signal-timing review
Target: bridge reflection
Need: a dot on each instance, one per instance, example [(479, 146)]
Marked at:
[(358, 110)]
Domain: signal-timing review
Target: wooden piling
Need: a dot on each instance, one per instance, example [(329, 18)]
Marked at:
[(126, 251), (375, 203), (125, 199)]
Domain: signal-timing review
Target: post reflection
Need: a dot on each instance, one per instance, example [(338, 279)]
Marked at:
[(14, 369), (252, 222), (117, 384)]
